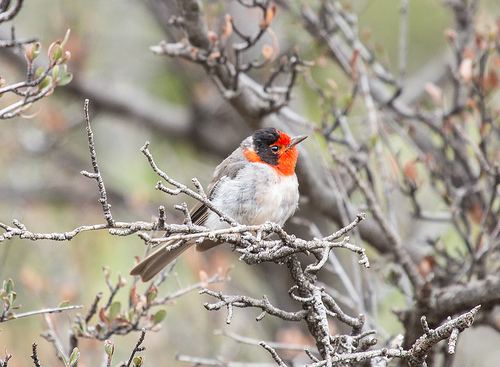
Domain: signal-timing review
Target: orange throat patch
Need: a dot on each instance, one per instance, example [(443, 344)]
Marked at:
[(286, 160)]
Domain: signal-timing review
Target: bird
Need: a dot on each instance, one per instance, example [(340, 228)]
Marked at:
[(255, 184)]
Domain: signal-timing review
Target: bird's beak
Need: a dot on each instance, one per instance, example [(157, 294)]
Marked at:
[(296, 140)]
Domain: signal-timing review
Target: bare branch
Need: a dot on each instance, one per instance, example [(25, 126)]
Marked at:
[(399, 251), (11, 12), (244, 301), (34, 356), (51, 336), (198, 361), (181, 188), (5, 361), (138, 348), (106, 208), (42, 311), (424, 344), (273, 354)]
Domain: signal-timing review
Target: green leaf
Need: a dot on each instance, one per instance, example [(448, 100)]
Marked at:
[(39, 71), (137, 361), (73, 358), (55, 72), (8, 285), (45, 82), (159, 316), (55, 51), (66, 37), (109, 348), (114, 310), (64, 303), (32, 51), (12, 297), (65, 79), (151, 295)]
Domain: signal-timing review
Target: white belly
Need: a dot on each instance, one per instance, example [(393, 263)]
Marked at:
[(256, 195)]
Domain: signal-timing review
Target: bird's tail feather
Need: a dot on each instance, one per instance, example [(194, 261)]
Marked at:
[(157, 260), (206, 245)]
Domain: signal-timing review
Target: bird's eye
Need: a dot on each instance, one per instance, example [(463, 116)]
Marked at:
[(275, 148)]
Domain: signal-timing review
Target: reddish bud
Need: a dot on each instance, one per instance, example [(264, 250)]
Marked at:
[(465, 70), (410, 171), (133, 298), (151, 294), (427, 266), (269, 16), (102, 316), (66, 56), (267, 52), (490, 81), (55, 51), (481, 43), (32, 51), (212, 37), (476, 212)]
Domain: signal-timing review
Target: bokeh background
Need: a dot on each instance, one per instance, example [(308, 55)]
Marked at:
[(41, 157)]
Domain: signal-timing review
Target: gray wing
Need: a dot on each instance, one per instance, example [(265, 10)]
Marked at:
[(156, 261), (228, 168)]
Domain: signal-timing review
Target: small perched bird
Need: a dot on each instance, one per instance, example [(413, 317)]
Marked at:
[(255, 184)]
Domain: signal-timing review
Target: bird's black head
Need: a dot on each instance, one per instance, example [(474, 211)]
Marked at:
[(263, 144)]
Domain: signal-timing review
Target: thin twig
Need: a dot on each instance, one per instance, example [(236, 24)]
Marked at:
[(42, 311), (138, 348), (106, 208), (34, 355)]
